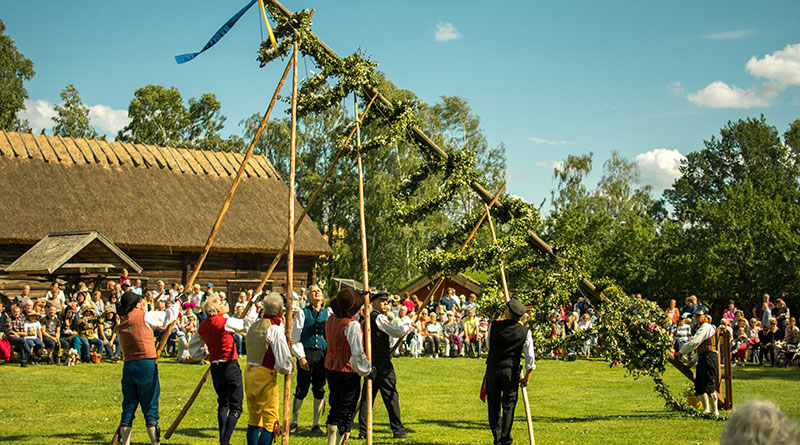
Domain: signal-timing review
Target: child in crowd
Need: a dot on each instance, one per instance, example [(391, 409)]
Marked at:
[(682, 333)]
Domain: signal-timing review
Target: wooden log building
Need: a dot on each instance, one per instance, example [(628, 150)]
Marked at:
[(156, 204)]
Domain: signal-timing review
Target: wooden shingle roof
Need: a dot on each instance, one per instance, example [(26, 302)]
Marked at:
[(142, 196)]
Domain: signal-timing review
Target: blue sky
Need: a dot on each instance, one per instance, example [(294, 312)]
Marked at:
[(651, 80)]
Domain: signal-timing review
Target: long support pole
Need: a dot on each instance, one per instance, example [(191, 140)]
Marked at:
[(365, 272), (502, 269), (163, 341), (287, 380), (275, 261)]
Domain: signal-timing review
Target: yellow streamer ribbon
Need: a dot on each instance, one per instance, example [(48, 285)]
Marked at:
[(266, 22)]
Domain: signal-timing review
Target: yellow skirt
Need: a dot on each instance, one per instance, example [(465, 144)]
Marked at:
[(261, 389)]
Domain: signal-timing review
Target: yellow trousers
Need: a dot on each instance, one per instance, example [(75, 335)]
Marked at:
[(261, 389)]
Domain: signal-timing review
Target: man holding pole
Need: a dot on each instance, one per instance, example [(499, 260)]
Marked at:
[(508, 340), (705, 342), (309, 346), (267, 355), (345, 363), (385, 378), (216, 331), (140, 384)]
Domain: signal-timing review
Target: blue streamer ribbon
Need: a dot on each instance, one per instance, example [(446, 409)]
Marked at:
[(183, 58)]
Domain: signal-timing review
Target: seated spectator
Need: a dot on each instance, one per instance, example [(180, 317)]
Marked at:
[(767, 339), (452, 336), (407, 323), (24, 296), (739, 346), (433, 336), (33, 335), (69, 326), (51, 334), (759, 423), (417, 337), (730, 311), (689, 307), (55, 295), (472, 339), (672, 312), (16, 337), (108, 335), (586, 323), (87, 337), (5, 346), (112, 302)]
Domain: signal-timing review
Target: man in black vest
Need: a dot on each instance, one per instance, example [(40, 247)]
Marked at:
[(385, 379), (507, 340)]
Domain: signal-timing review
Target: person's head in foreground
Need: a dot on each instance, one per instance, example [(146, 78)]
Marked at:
[(759, 423)]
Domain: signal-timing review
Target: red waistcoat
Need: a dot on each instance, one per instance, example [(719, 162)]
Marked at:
[(136, 337), (219, 341), (338, 356)]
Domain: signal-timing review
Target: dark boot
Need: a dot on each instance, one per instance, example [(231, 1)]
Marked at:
[(230, 425)]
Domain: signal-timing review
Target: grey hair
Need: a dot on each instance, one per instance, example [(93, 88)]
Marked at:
[(273, 303), (759, 423), (314, 286)]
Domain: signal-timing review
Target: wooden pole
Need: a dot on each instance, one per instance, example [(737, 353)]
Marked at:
[(364, 271), (502, 269), (527, 404), (163, 341), (287, 380), (188, 404), (311, 201)]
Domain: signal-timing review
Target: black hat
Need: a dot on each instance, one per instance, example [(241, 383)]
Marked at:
[(515, 307), (377, 296), (701, 310), (127, 302), (346, 303)]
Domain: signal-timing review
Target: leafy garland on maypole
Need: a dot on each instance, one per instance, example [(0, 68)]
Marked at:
[(633, 333)]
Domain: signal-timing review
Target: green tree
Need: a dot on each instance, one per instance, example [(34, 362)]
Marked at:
[(14, 70), (72, 117), (738, 200), (159, 117)]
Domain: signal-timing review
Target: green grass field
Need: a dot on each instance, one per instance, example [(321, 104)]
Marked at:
[(572, 402)]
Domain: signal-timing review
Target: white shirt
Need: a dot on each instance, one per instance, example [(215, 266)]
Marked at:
[(382, 322), (527, 349), (297, 331), (276, 338), (162, 319), (358, 358), (232, 325), (705, 331)]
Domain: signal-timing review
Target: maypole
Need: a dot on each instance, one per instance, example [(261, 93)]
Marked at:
[(365, 273), (289, 303)]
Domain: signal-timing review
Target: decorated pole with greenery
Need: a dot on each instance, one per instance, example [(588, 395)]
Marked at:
[(365, 272)]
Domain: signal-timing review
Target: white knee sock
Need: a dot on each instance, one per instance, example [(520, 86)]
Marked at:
[(319, 405), (706, 403), (714, 404), (125, 435), (296, 405)]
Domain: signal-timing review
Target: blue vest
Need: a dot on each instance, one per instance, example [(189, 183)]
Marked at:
[(313, 335)]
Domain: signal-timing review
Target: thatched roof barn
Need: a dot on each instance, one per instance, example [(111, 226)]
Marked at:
[(158, 204)]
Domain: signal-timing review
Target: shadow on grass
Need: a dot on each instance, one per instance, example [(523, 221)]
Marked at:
[(593, 418), (456, 424), (74, 437)]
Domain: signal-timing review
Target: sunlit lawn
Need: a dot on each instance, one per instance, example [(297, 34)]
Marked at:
[(572, 402)]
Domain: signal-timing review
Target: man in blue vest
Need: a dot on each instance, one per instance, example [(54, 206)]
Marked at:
[(309, 346), (508, 340)]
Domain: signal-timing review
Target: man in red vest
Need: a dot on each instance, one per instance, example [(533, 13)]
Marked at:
[(216, 331), (345, 362), (140, 385)]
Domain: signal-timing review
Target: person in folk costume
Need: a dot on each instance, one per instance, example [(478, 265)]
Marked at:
[(309, 346), (345, 362), (140, 384), (267, 355), (385, 379), (507, 339), (216, 332), (705, 343)]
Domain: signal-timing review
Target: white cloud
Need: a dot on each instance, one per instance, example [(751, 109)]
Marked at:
[(446, 31), (719, 94), (659, 167), (39, 113), (550, 165), (729, 35), (108, 120), (781, 69), (675, 88), (549, 141), (105, 119)]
